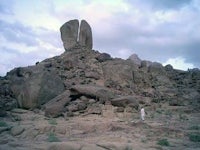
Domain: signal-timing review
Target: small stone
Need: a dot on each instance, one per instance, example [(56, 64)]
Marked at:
[(2, 129), (17, 130)]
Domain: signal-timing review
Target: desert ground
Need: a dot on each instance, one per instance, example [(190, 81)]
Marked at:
[(165, 128)]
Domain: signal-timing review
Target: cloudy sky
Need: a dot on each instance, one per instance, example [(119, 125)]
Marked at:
[(166, 31)]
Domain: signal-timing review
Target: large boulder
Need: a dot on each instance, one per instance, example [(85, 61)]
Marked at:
[(69, 33), (103, 57), (7, 103), (135, 59), (118, 72), (33, 86), (92, 91), (85, 35), (124, 101), (55, 107), (70, 37), (145, 63), (156, 68), (7, 100)]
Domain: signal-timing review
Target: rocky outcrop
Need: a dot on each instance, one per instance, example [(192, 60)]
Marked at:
[(69, 33), (85, 35), (56, 106), (103, 95), (100, 93), (135, 59), (71, 38), (79, 79), (118, 74), (17, 130), (103, 57), (33, 86), (124, 101), (99, 78), (145, 63), (156, 67), (7, 100)]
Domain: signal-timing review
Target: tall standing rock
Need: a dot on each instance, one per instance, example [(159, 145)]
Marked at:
[(85, 35), (69, 33), (135, 59), (71, 38)]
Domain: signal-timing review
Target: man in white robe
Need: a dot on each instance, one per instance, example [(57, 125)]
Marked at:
[(142, 114)]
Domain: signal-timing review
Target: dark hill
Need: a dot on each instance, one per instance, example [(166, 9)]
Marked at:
[(33, 86)]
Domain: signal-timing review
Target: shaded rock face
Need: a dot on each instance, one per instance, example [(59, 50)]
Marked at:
[(55, 107), (97, 92), (72, 39), (135, 59), (85, 35), (124, 101), (103, 57), (145, 64), (33, 86), (7, 100), (156, 68)]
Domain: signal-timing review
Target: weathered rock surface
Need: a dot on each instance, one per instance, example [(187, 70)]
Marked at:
[(17, 130), (7, 100), (103, 57), (34, 86), (72, 39), (69, 33), (2, 129), (135, 59), (55, 107), (145, 63), (87, 73), (97, 92), (124, 101), (85, 35)]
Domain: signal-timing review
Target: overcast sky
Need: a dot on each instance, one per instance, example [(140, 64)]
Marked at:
[(166, 31)]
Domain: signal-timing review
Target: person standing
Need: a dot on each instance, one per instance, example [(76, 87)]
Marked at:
[(142, 113)]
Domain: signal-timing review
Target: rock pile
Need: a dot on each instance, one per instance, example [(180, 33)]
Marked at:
[(79, 80)]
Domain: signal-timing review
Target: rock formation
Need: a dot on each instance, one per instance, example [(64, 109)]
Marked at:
[(96, 76), (71, 38), (7, 98), (85, 35), (86, 83), (35, 85), (83, 74), (135, 59), (69, 33)]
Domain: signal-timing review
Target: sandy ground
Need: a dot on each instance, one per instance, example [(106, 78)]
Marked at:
[(111, 130)]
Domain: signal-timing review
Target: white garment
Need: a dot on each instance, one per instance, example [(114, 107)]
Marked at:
[(142, 114)]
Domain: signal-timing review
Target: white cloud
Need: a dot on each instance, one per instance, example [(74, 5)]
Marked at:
[(122, 53), (179, 63)]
